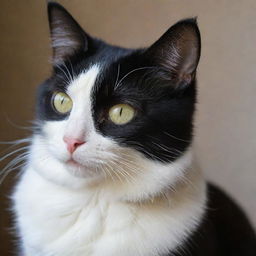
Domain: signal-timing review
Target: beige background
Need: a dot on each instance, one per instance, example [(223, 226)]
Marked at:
[(225, 141)]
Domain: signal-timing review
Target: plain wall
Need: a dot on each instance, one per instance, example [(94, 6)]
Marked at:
[(225, 142)]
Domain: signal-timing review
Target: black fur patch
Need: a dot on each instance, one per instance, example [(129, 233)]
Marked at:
[(225, 230), (162, 128)]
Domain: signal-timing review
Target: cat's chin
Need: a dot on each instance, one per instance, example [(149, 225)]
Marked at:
[(82, 170)]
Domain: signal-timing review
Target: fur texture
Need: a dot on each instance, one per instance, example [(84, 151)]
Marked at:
[(130, 189)]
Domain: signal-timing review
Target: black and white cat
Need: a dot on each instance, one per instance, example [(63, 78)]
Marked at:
[(110, 170)]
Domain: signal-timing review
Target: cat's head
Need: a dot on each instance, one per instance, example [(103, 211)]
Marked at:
[(116, 117)]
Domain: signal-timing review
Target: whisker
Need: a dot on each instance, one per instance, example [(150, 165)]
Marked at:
[(108, 172), (67, 80), (14, 152), (111, 171), (68, 72), (16, 142), (15, 161), (117, 77), (120, 160), (121, 170), (132, 71), (174, 137), (72, 70), (168, 150), (9, 171), (141, 148), (29, 128)]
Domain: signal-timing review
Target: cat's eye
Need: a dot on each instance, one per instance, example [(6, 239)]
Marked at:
[(121, 114), (62, 102)]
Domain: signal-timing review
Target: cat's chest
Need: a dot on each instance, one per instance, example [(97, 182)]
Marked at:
[(56, 222), (84, 230)]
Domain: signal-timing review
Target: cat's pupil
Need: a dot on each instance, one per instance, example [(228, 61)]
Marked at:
[(121, 110)]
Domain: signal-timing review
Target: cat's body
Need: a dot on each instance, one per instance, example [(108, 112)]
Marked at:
[(110, 170), (96, 226)]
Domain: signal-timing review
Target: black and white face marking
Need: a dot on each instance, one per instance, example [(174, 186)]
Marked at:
[(162, 126), (110, 159), (155, 88)]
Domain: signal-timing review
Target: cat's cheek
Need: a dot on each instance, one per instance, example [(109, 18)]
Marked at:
[(59, 151), (53, 140), (50, 168), (50, 158)]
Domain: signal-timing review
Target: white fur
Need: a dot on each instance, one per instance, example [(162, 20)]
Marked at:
[(116, 202)]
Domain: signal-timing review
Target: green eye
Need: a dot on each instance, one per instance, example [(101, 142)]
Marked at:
[(62, 102), (121, 114)]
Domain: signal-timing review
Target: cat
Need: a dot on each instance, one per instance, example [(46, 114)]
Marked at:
[(110, 170)]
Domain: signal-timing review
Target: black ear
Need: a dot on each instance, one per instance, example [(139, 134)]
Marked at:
[(177, 52), (66, 34)]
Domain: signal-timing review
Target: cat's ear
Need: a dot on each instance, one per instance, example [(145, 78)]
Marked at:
[(66, 34), (177, 52)]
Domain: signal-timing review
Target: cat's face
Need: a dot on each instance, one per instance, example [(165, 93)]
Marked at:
[(116, 116)]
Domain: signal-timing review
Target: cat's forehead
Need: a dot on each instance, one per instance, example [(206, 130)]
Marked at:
[(104, 70), (83, 84), (108, 64), (104, 55)]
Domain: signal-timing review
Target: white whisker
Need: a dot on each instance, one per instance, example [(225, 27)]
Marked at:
[(174, 137), (14, 152), (132, 71)]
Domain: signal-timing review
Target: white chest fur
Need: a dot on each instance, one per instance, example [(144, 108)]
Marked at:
[(56, 221)]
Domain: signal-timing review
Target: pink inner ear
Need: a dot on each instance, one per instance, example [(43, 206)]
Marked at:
[(187, 78), (178, 51)]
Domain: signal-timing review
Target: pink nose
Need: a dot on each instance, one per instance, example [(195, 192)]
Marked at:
[(72, 143)]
